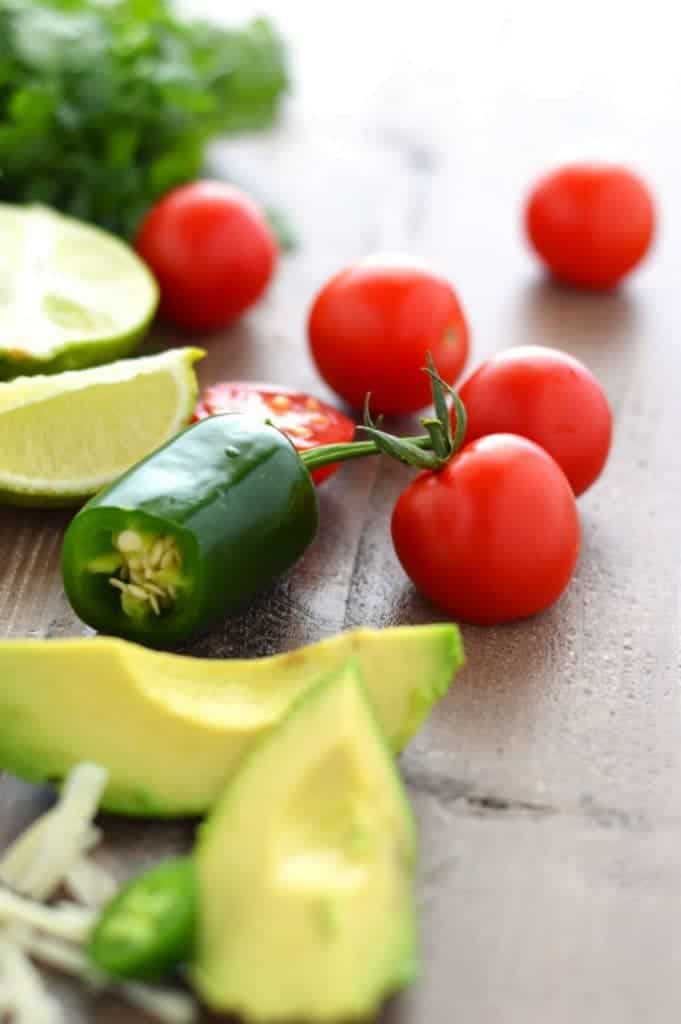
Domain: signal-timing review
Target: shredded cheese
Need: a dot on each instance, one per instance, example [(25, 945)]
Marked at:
[(66, 920), (19, 856), (29, 865), (171, 1007), (62, 838), (23, 994), (90, 883), (49, 854)]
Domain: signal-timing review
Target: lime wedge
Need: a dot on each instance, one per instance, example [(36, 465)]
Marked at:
[(64, 437), (71, 295)]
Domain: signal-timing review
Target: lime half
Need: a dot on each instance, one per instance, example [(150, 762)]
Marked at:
[(71, 295), (64, 437)]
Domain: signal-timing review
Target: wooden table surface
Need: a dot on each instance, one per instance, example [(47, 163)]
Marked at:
[(547, 785)]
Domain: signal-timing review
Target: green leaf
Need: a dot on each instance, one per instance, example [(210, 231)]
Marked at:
[(112, 102), (31, 107), (174, 167), (121, 146)]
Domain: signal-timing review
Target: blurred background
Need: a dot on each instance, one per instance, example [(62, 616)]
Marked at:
[(426, 125)]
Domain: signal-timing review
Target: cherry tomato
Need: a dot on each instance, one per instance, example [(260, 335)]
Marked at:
[(590, 224), (371, 326), (493, 536), (307, 421), (549, 397), (211, 251)]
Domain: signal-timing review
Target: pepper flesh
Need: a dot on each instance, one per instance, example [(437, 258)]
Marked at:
[(191, 533)]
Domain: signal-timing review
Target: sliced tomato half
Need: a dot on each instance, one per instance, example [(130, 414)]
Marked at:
[(307, 420)]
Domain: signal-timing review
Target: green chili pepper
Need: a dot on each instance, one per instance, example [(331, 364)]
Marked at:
[(148, 927), (191, 532), (197, 528)]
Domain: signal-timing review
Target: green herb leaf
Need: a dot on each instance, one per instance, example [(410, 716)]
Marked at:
[(105, 106)]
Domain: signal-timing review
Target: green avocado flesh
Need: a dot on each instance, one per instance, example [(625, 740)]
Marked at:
[(170, 730), (305, 870)]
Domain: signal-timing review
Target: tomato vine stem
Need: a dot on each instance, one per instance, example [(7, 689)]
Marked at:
[(432, 450), (315, 458)]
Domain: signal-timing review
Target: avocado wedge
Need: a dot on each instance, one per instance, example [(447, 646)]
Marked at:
[(170, 730), (304, 870)]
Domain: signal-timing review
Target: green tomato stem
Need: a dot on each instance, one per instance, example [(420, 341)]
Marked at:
[(461, 422), (325, 455), (431, 451)]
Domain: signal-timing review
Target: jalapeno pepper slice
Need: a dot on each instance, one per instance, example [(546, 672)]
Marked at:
[(190, 533), (148, 927)]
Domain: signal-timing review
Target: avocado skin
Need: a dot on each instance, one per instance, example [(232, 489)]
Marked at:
[(171, 730)]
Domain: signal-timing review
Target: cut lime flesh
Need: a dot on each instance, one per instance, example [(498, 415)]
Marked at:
[(64, 437), (71, 295)]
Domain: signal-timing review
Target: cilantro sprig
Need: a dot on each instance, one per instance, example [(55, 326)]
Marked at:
[(106, 104)]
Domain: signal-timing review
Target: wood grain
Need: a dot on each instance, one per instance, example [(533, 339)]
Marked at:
[(548, 783)]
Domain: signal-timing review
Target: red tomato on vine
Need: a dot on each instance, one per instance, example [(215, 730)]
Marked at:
[(549, 397), (491, 537)]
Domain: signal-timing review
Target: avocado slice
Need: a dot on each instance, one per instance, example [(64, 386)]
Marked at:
[(170, 729), (305, 870)]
